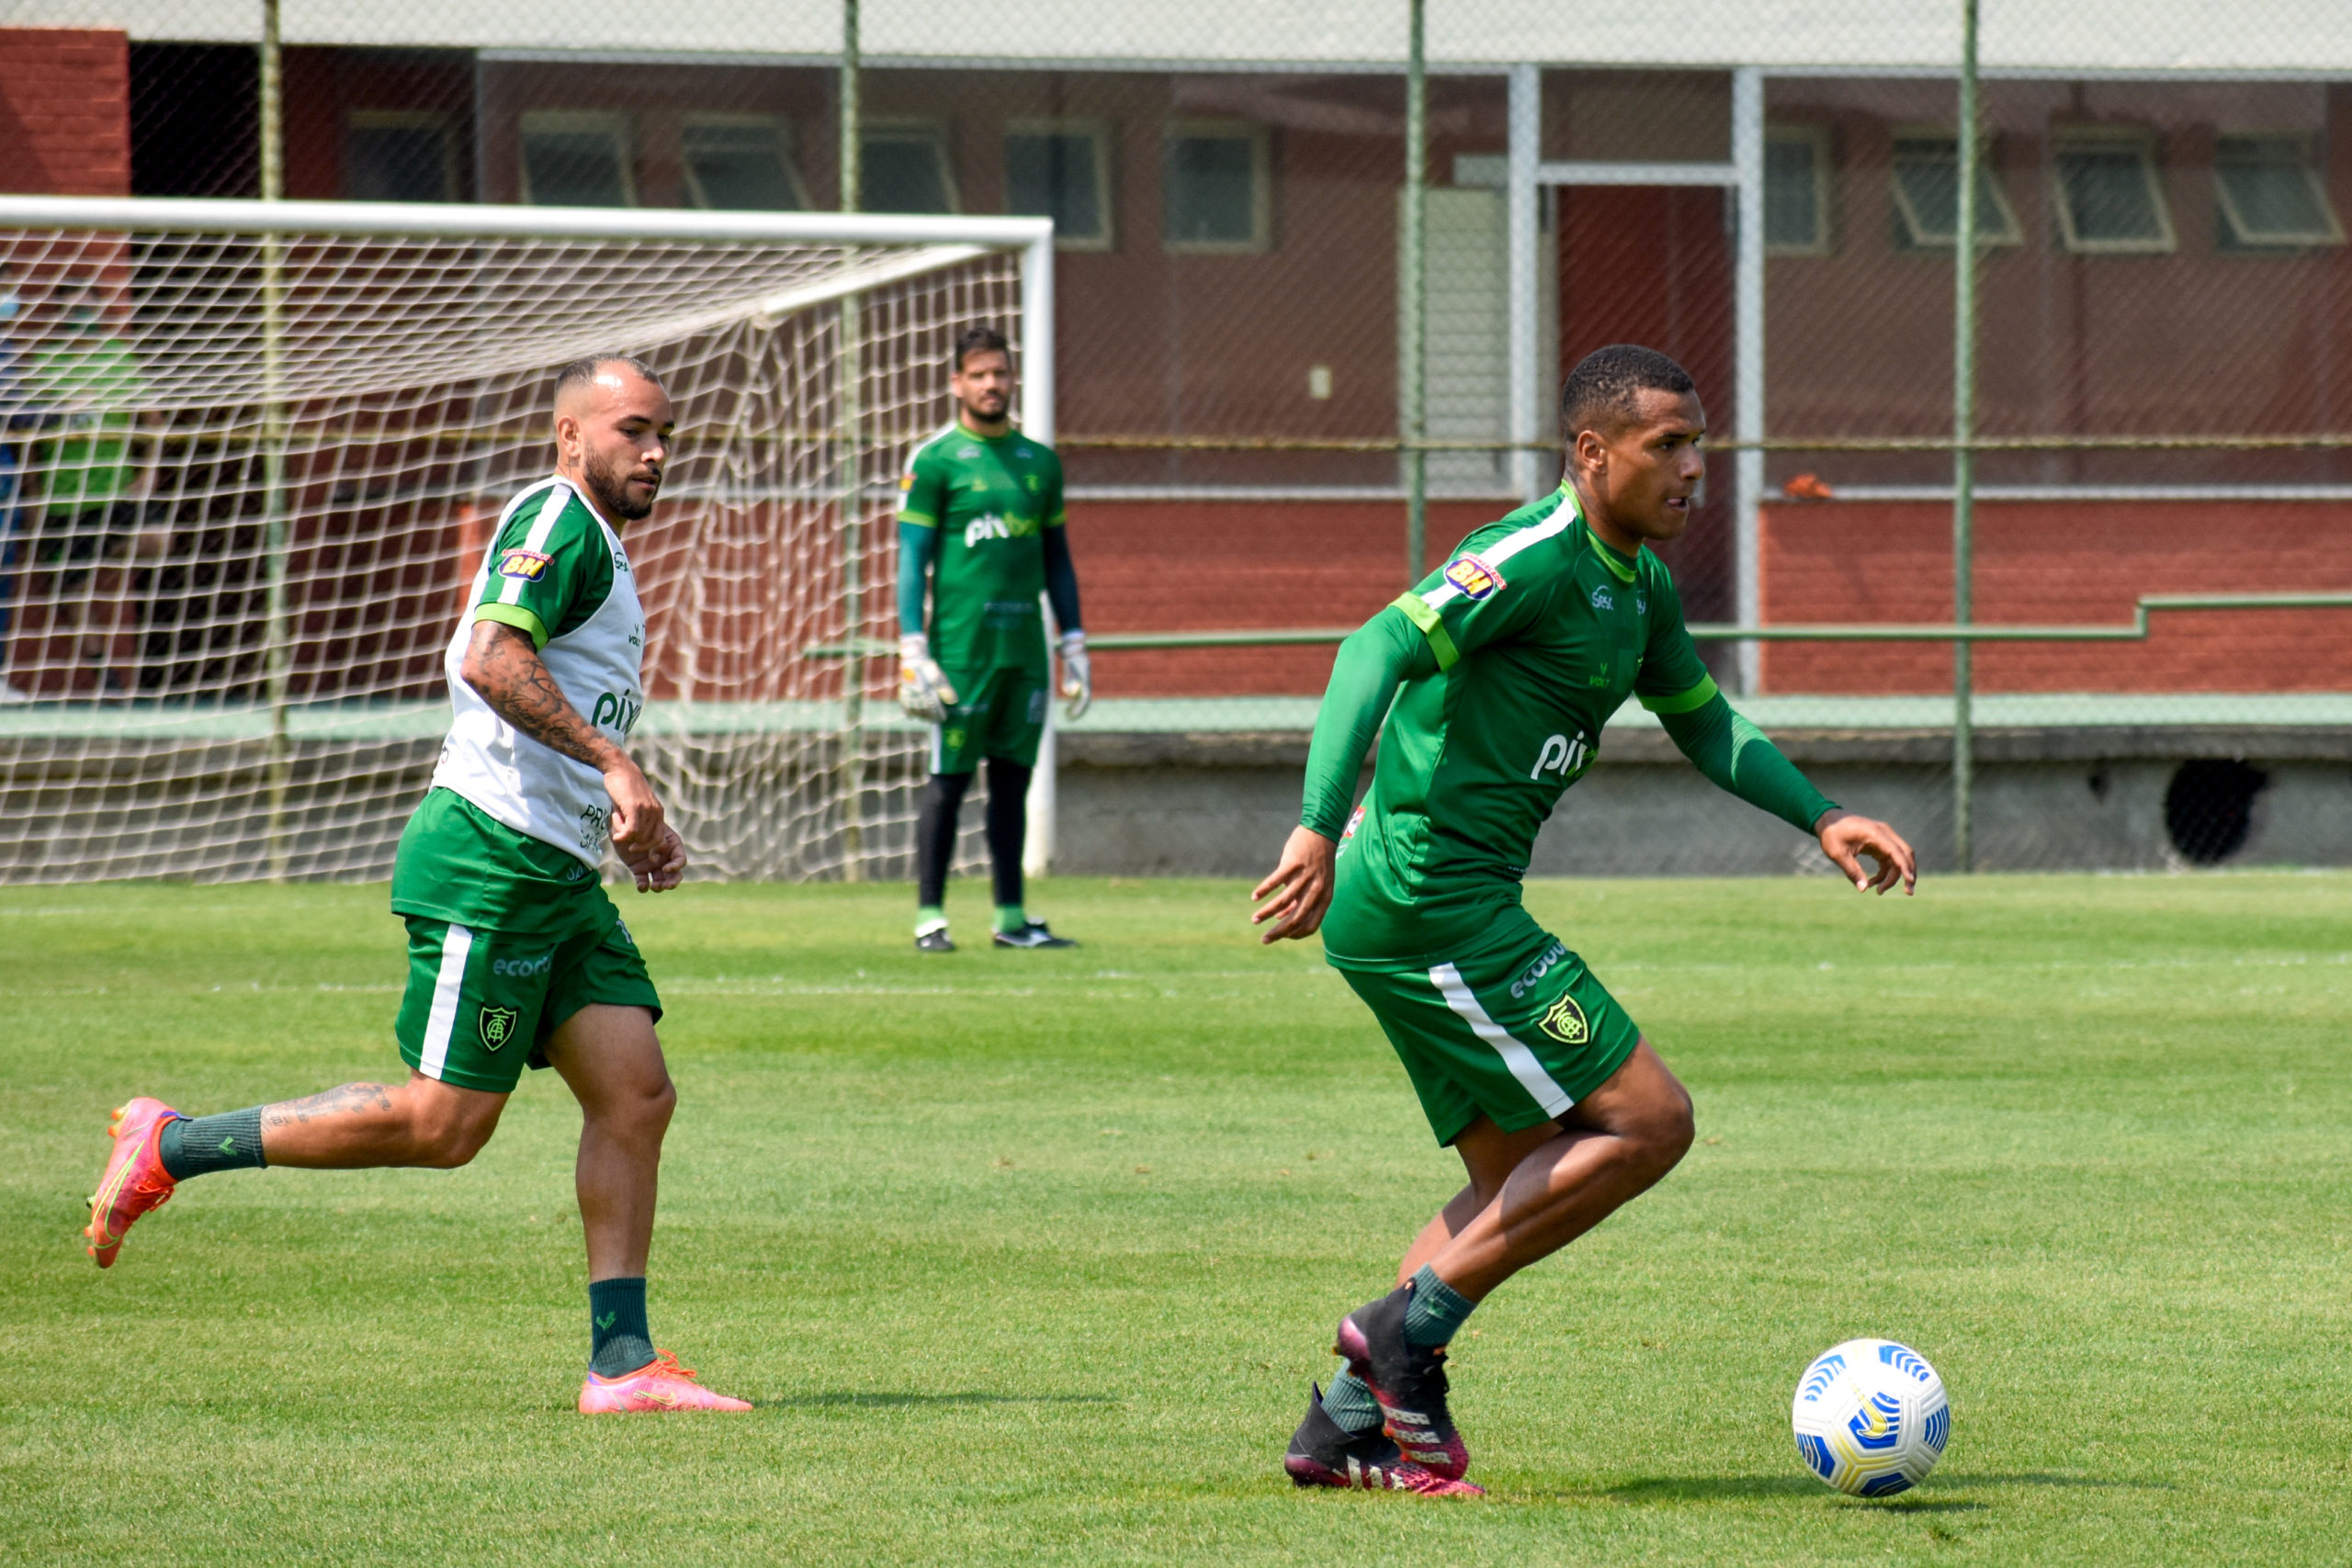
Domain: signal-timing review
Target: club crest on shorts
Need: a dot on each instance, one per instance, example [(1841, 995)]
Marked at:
[(498, 1026), (1565, 1023), (1473, 577), (524, 566)]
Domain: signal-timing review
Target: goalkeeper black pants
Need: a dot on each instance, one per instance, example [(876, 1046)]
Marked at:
[(1008, 830)]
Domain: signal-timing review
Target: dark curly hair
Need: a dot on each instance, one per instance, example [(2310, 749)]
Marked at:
[(1602, 392)]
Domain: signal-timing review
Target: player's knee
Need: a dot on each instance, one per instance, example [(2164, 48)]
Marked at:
[(445, 1142), (1668, 1129)]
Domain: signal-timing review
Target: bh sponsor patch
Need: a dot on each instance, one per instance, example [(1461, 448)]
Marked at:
[(524, 566), (498, 1026), (1475, 578), (1565, 1023)]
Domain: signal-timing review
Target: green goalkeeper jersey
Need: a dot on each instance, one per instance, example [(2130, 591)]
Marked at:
[(992, 498), (1537, 632)]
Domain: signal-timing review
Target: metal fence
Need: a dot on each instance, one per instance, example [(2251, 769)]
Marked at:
[(1319, 273)]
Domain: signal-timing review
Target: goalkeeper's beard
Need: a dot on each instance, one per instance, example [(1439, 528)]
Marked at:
[(608, 487)]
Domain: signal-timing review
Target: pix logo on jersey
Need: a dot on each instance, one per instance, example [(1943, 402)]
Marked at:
[(1473, 577), (524, 566)]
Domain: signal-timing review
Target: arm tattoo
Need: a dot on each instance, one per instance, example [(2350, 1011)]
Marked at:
[(515, 681), (328, 1102)]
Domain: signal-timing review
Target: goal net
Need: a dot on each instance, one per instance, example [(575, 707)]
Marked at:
[(252, 456)]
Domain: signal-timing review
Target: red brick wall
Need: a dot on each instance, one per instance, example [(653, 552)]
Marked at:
[(64, 111), (1198, 566), (2063, 563)]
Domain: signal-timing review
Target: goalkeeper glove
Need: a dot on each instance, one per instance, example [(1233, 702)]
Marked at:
[(1078, 676), (923, 690)]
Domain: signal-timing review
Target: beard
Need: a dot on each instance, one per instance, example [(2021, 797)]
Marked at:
[(991, 406), (608, 485)]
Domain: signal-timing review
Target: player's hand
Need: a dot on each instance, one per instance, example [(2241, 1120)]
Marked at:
[(665, 868), (1300, 887), (923, 690), (1846, 838), (635, 822), (1078, 675)]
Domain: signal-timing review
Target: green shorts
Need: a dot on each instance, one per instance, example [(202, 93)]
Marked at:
[(1002, 714), (482, 1004), (1516, 1030)]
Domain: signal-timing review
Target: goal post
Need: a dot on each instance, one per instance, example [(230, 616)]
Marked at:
[(250, 454)]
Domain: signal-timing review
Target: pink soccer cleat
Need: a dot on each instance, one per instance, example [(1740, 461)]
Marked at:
[(135, 1179), (660, 1384)]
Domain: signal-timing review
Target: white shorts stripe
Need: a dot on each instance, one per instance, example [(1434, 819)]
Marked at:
[(938, 748), (1516, 1056), (455, 948)]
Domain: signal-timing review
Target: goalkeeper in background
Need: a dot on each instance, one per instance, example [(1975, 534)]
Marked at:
[(982, 521)]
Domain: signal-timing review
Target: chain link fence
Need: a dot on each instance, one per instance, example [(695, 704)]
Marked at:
[(1258, 373)]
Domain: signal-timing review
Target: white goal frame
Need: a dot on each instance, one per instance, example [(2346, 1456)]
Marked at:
[(949, 241)]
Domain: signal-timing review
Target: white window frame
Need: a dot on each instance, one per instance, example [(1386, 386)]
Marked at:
[(1919, 238), (614, 123), (1817, 137), (931, 133), (408, 119), (2103, 138), (2241, 237), (1260, 137), (1095, 131), (786, 150)]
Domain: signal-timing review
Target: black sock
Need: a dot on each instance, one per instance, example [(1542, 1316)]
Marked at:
[(618, 1342), (1008, 827), (193, 1145), (942, 801)]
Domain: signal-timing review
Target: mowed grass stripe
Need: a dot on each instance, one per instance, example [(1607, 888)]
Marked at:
[(1029, 1257)]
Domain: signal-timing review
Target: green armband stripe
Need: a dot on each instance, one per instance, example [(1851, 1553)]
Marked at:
[(920, 520), (517, 616), (1697, 697), (1416, 610)]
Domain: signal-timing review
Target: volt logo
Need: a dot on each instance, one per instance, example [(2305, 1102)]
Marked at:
[(1563, 756), (617, 711)]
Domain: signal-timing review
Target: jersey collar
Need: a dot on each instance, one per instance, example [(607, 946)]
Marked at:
[(1625, 567)]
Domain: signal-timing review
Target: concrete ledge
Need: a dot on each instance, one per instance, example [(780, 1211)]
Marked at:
[(2048, 798)]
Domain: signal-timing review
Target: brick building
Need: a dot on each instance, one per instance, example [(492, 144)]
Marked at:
[(1769, 201)]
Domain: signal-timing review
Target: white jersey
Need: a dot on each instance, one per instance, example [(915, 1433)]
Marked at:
[(555, 572)]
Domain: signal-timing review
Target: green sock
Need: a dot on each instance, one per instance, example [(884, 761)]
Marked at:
[(930, 918), (193, 1145), (619, 1342), (1010, 916), (1438, 1311), (1349, 1402)]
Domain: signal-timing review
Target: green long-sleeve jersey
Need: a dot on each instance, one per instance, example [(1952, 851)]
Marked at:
[(990, 499), (1505, 665)]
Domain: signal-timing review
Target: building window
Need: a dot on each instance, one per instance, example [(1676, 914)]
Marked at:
[(1062, 172), (398, 156), (903, 168), (1217, 188), (1926, 194), (1796, 190), (2105, 190), (577, 160), (740, 163), (2268, 195)]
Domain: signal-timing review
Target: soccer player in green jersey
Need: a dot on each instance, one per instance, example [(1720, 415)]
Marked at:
[(515, 954), (1503, 667), (981, 525)]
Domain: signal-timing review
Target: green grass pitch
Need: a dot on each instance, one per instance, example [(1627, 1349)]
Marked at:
[(1028, 1258)]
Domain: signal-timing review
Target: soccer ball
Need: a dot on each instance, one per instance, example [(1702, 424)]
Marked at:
[(1871, 1417)]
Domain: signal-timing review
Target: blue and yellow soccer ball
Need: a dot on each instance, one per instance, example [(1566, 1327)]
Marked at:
[(1871, 1417)]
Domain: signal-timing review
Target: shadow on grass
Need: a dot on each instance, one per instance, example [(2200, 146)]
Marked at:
[(1753, 1488), (925, 1401)]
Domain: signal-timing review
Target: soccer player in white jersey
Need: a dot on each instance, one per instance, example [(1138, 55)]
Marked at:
[(515, 954)]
